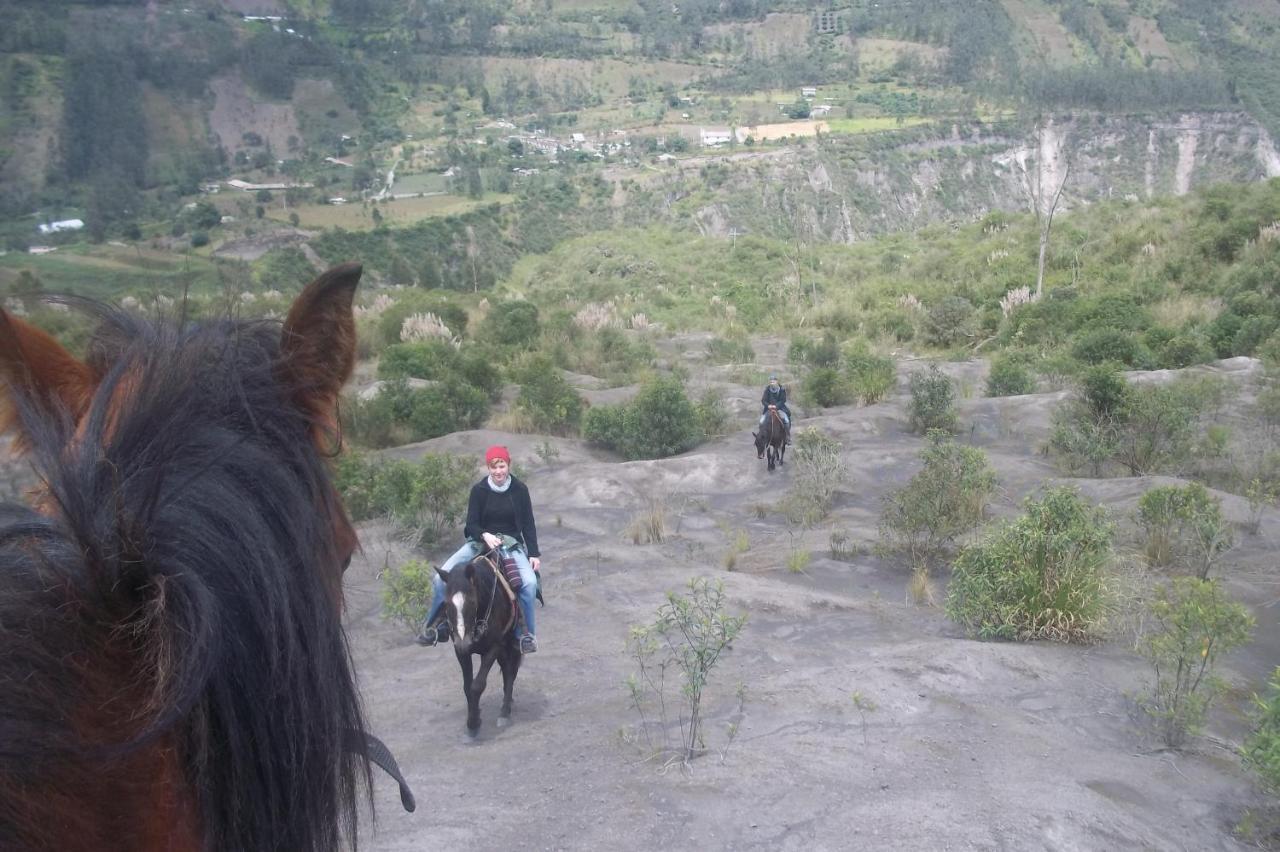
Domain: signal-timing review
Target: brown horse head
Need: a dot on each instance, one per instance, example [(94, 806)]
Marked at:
[(175, 673)]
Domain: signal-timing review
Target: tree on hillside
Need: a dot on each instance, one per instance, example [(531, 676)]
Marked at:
[(1044, 200)]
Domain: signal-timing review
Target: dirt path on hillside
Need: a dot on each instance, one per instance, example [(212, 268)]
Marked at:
[(970, 745)]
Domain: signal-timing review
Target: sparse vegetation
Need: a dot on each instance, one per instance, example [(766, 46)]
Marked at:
[(684, 642), (818, 470), (945, 500), (1194, 624)]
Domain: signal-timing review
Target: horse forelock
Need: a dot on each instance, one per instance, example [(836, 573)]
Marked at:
[(178, 596)]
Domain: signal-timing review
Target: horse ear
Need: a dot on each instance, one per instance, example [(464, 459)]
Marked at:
[(443, 575), (754, 435), (319, 344), (471, 571), (37, 371)]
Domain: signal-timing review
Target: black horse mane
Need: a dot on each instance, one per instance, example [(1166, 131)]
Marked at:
[(190, 549)]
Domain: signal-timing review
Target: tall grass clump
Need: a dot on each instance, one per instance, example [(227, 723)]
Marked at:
[(819, 469), (1041, 576)]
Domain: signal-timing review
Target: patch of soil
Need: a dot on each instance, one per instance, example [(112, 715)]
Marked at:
[(958, 744)]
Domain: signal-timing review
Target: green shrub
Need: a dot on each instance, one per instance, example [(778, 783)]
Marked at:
[(735, 351), (713, 417), (825, 386), (1194, 624), (871, 376), (1041, 576), (1102, 345), (949, 321), (818, 470), (1186, 350), (1009, 377), (426, 499), (402, 415), (1262, 748), (434, 359), (659, 422), (1184, 525), (932, 404), (946, 499), (513, 324), (406, 593), (548, 397)]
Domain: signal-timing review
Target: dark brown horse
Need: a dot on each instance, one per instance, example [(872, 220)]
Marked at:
[(173, 669), (481, 616), (772, 438)]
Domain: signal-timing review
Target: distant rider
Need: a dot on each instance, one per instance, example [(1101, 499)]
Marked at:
[(775, 396)]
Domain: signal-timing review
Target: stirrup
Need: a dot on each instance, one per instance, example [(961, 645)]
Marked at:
[(433, 635), (528, 643)]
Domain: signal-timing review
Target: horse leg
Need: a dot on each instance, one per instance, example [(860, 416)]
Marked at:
[(771, 457), (510, 664), (782, 453), (473, 701), (477, 689)]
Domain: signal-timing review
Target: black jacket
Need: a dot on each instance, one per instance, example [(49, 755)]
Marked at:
[(507, 513), (769, 398)]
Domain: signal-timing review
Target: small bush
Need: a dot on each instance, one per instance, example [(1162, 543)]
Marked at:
[(819, 471), (548, 398), (1195, 623), (932, 405), (659, 422), (1186, 350), (425, 499), (946, 499), (1262, 749), (1103, 345), (1009, 377), (406, 593), (1040, 576), (871, 376), (713, 417), (950, 321), (687, 639), (825, 386), (513, 324), (735, 351), (1184, 524)]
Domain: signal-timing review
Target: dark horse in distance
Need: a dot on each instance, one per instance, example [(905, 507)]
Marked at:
[(173, 670), (772, 438), (481, 616)]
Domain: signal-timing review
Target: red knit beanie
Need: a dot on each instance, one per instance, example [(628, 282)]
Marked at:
[(495, 452)]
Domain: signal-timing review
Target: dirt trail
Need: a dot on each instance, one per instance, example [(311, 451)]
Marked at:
[(971, 745)]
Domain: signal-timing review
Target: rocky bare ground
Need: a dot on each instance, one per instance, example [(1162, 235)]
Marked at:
[(970, 745)]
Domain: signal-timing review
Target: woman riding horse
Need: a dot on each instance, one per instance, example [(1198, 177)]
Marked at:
[(499, 517)]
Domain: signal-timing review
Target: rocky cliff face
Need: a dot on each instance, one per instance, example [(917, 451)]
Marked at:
[(843, 189)]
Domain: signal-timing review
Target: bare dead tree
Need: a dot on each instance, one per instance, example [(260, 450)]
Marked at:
[(1044, 208)]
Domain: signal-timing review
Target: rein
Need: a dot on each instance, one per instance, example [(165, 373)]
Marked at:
[(482, 624)]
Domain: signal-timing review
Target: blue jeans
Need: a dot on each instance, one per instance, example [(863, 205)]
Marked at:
[(470, 550), (786, 418)]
